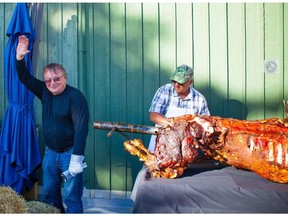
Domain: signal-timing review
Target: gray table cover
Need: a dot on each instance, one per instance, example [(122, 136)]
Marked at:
[(202, 190)]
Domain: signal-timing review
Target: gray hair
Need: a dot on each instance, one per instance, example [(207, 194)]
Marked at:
[(54, 67)]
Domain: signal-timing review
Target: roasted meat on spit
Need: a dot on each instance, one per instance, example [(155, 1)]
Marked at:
[(260, 146)]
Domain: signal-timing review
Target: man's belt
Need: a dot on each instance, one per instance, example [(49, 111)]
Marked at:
[(63, 149)]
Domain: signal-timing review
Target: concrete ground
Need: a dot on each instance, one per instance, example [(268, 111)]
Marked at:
[(107, 206), (102, 201)]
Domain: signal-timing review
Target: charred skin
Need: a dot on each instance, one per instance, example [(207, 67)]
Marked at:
[(258, 145), (176, 149)]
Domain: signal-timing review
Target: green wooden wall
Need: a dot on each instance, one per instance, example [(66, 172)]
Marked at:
[(118, 54)]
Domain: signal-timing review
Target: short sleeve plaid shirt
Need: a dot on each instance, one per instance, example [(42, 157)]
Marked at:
[(162, 98)]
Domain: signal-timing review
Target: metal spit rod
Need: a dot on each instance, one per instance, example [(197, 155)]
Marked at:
[(132, 128)]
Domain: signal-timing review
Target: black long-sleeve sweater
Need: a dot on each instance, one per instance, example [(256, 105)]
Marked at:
[(65, 116)]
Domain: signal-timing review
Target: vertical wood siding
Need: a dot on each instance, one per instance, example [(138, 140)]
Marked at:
[(119, 54), (6, 11)]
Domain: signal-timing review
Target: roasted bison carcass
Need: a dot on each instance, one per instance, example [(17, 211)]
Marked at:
[(257, 145)]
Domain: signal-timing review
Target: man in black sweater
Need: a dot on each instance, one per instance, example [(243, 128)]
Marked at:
[(65, 117)]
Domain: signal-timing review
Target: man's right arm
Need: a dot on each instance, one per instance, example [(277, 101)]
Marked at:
[(159, 119), (27, 79), (34, 85), (158, 106), (22, 71), (30, 82)]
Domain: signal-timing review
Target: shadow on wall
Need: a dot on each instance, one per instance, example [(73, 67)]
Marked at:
[(220, 106), (235, 109), (228, 108)]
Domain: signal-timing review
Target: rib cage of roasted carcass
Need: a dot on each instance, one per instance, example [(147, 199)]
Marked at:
[(257, 145)]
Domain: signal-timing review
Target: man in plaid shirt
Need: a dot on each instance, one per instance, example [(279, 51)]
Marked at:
[(176, 99)]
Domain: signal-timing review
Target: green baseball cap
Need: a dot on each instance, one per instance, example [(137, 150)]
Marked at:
[(182, 74)]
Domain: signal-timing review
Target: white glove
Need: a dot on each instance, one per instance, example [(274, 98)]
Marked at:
[(76, 164)]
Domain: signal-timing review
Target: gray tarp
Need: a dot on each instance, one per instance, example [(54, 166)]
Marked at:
[(226, 190)]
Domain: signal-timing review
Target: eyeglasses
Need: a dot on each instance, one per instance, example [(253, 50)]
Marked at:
[(56, 79), (181, 84)]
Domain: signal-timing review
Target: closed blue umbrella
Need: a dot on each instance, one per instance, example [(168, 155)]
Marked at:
[(20, 152)]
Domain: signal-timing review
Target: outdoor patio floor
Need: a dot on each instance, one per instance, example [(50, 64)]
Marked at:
[(107, 206)]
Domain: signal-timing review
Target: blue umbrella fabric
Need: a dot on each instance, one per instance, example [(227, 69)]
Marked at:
[(20, 155)]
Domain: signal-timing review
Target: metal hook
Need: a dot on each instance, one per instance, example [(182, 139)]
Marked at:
[(115, 129), (111, 132)]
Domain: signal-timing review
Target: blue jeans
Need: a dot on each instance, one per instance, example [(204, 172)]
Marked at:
[(53, 165)]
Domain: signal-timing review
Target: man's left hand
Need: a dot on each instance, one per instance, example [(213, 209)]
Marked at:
[(76, 165)]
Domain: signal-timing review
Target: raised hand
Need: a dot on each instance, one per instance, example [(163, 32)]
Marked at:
[(22, 47)]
